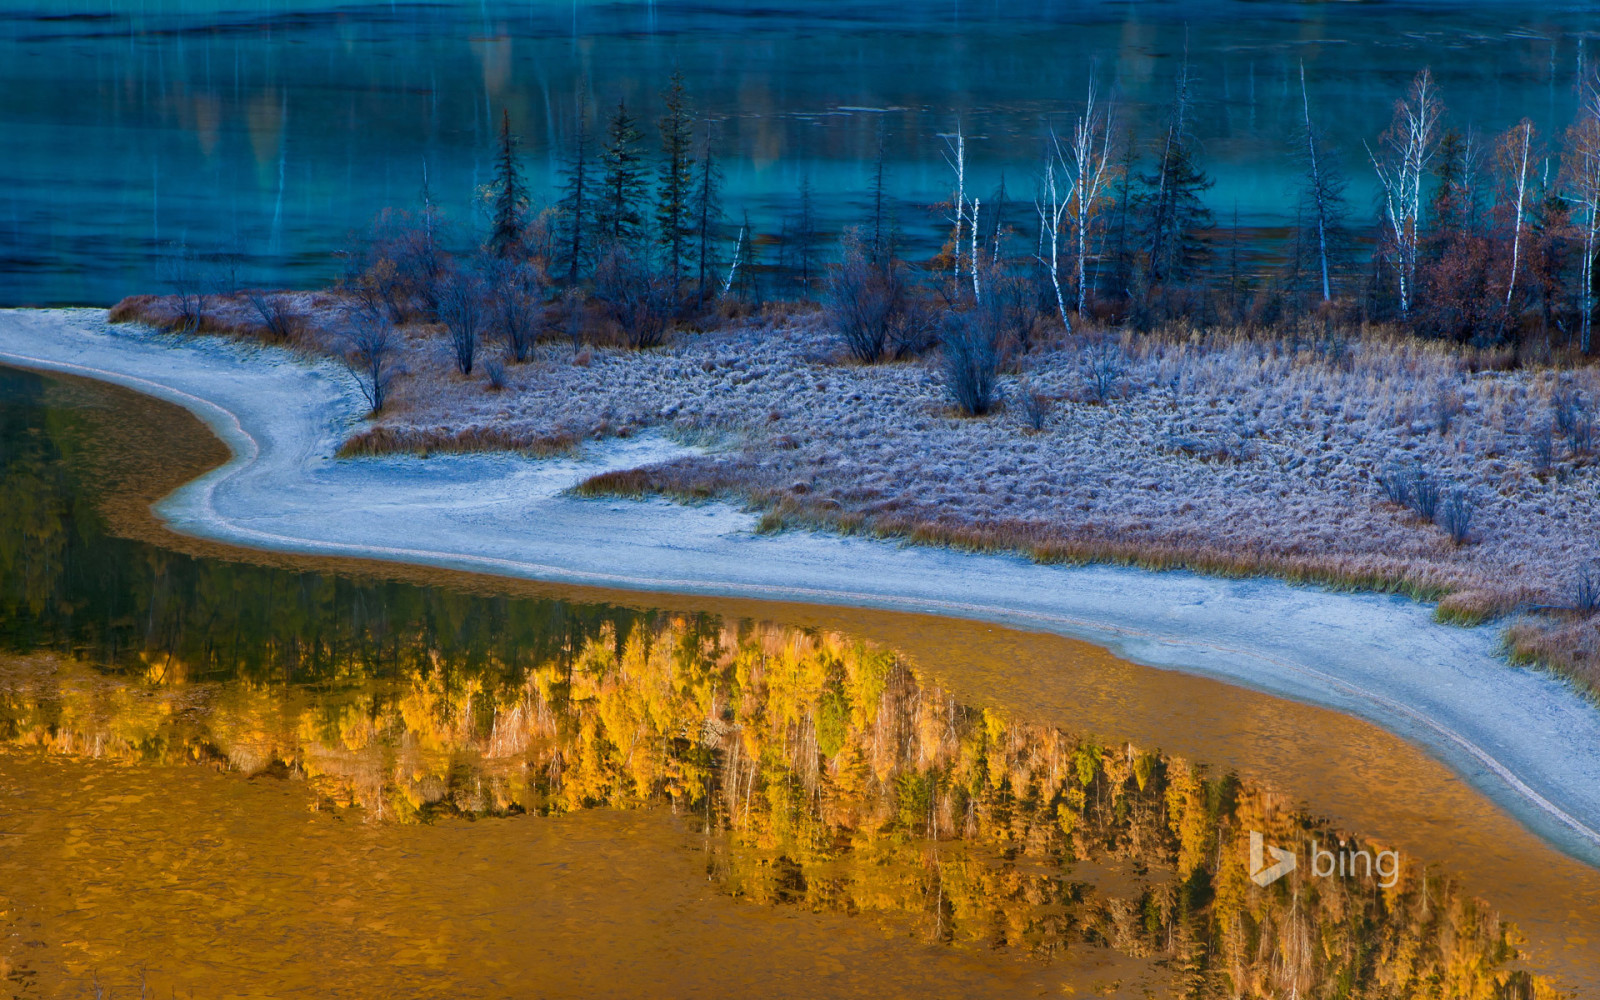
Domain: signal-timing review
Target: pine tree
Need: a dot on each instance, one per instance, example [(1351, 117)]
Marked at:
[(623, 191), (708, 213), (674, 226), (509, 195), (1174, 213), (805, 235), (577, 200)]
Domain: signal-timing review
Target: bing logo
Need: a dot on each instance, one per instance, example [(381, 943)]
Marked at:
[(1324, 863)]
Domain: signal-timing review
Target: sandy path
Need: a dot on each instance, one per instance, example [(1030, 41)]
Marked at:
[(1522, 737)]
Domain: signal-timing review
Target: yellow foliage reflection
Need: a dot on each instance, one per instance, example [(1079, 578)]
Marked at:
[(825, 773)]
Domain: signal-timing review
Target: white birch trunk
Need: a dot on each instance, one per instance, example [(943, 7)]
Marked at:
[(1522, 197), (733, 268)]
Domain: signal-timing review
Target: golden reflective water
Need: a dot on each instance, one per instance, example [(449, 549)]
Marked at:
[(244, 780)]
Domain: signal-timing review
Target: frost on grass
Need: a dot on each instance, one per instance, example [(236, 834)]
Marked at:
[(1224, 454)]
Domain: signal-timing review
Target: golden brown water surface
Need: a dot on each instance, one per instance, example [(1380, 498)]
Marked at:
[(699, 796)]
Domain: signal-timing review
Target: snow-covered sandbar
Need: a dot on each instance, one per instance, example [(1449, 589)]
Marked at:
[(1526, 739)]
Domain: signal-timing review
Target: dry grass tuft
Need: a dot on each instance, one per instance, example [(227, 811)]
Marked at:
[(1568, 643), (384, 440)]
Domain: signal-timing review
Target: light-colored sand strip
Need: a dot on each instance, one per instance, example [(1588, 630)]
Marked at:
[(1524, 738)]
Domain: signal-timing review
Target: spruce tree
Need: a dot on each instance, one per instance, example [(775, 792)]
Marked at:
[(577, 200), (674, 222), (805, 235), (509, 195), (623, 191), (1174, 214)]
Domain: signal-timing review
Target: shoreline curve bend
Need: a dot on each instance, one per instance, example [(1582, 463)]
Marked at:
[(1525, 738)]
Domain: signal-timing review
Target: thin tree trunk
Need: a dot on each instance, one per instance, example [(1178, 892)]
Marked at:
[(733, 268), (1317, 192)]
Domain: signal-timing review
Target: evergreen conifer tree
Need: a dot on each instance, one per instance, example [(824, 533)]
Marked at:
[(509, 195), (674, 201), (1174, 214), (577, 201), (617, 214)]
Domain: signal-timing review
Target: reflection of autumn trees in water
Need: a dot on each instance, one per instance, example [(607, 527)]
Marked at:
[(826, 773), (834, 778)]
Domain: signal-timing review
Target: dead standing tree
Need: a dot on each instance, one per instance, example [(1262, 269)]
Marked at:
[(1409, 146), (1324, 187)]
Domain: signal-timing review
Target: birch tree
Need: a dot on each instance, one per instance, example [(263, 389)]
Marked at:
[(1408, 146), (1516, 154), (1052, 204), (956, 156), (1088, 160), (1581, 167)]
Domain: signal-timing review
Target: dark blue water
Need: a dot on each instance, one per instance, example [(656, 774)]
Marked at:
[(276, 130)]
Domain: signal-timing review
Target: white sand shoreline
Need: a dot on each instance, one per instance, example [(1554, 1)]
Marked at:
[(1525, 738)]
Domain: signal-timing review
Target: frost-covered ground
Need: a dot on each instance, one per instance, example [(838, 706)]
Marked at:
[(1522, 737), (1232, 455)]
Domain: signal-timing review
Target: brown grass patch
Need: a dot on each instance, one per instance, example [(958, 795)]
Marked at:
[(1566, 643), (385, 440)]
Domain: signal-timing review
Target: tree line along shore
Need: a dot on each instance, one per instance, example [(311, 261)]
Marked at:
[(1088, 377)]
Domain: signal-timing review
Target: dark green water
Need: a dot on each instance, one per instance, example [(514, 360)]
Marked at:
[(275, 129)]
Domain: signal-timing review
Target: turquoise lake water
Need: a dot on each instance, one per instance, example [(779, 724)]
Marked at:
[(275, 130)]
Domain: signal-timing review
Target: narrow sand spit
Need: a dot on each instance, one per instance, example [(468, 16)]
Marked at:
[(1524, 738)]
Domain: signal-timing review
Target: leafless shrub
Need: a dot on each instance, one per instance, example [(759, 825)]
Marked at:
[(183, 275), (1036, 407), (461, 310), (972, 343), (573, 303), (517, 305), (913, 326), (409, 268), (1102, 370), (1544, 450), (1447, 405), (1582, 437), (275, 314), (871, 305), (1569, 411), (495, 368), (1395, 481), (369, 348), (1455, 515), (639, 302), (1423, 496), (1586, 590)]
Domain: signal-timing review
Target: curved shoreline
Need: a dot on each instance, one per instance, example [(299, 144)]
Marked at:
[(1527, 740)]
